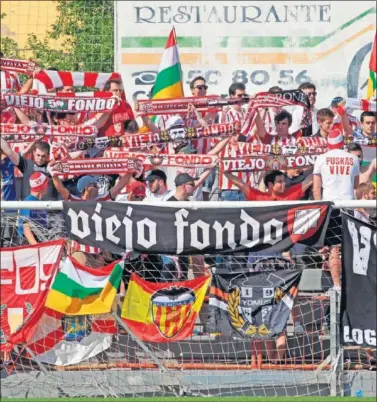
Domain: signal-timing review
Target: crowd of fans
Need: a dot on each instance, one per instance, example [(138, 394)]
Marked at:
[(335, 175)]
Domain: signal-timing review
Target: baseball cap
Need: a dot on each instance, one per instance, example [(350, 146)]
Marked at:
[(156, 174), (38, 181), (174, 121), (85, 181), (184, 178), (335, 139), (137, 187)]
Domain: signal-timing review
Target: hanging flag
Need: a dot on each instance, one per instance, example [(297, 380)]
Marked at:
[(372, 84), (253, 304), (79, 290), (65, 340), (169, 78), (163, 312), (26, 276), (358, 311)]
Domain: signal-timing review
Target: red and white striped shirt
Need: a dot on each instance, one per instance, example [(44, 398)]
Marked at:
[(232, 115), (251, 178), (75, 246)]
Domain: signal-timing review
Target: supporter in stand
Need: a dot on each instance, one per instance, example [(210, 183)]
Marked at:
[(32, 223), (369, 173), (336, 177), (157, 189), (185, 186), (38, 163), (367, 130), (8, 193), (234, 113), (87, 186), (366, 191), (276, 188), (121, 116), (297, 113), (355, 149), (353, 121), (295, 176), (283, 122), (268, 114), (325, 119), (135, 191)]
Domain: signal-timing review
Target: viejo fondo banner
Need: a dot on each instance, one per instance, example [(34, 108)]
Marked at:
[(120, 227)]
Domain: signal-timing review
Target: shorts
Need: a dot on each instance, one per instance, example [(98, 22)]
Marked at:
[(333, 236)]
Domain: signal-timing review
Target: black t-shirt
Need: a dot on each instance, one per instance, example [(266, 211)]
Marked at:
[(172, 198)]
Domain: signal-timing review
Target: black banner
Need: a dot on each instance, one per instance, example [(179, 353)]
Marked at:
[(253, 304), (359, 273), (118, 227)]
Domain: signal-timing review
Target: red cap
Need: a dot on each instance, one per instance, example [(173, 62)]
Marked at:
[(38, 181), (335, 140), (138, 188)]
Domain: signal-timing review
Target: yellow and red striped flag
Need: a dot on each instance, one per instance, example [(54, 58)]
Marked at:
[(163, 312)]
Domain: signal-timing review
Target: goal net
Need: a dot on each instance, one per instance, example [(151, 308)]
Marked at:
[(304, 360)]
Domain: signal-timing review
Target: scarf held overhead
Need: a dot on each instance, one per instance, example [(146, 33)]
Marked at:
[(57, 79), (361, 104), (78, 167), (62, 102), (24, 131), (185, 160), (18, 66)]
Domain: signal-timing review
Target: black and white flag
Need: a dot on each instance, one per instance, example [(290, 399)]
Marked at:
[(252, 304), (359, 273), (146, 228)]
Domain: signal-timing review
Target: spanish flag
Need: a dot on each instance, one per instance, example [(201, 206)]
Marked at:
[(163, 312), (372, 85)]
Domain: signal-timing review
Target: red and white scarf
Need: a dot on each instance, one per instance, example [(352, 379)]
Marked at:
[(267, 99), (18, 66), (56, 79), (361, 104), (32, 131), (255, 163), (62, 102)]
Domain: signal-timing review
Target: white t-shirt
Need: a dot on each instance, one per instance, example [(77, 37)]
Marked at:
[(157, 197), (338, 170)]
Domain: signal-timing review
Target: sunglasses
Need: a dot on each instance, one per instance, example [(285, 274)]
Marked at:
[(312, 94), (201, 87)]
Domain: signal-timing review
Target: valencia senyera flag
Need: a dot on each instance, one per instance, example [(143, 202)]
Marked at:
[(163, 312)]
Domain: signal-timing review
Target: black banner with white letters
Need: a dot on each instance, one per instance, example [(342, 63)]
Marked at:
[(359, 273), (118, 227)]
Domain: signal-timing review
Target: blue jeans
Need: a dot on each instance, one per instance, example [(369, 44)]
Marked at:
[(232, 195)]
